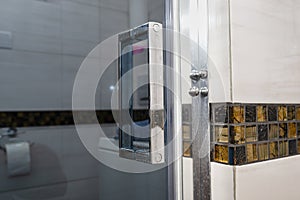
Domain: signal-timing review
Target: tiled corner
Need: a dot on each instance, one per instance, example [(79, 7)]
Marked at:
[(247, 133)]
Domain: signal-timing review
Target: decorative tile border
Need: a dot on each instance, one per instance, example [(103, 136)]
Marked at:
[(60, 118), (247, 133), (51, 118)]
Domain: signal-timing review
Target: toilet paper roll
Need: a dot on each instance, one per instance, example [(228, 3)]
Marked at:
[(18, 158)]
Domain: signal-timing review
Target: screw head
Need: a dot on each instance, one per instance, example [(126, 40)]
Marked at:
[(196, 75), (158, 157), (156, 27), (194, 91), (204, 91)]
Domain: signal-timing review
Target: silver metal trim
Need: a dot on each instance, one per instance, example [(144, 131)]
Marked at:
[(173, 108), (198, 33), (156, 79)]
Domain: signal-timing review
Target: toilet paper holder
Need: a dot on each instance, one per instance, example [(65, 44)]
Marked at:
[(18, 158), (9, 135)]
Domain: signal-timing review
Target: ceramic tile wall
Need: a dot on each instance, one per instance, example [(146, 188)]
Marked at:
[(219, 52), (265, 49), (50, 40), (57, 157)]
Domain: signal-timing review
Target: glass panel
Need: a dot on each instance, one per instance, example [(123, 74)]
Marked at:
[(136, 132), (43, 46)]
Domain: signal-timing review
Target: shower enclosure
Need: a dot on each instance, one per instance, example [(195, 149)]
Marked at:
[(151, 101)]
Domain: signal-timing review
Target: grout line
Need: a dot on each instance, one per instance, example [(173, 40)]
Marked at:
[(230, 51), (234, 182), (51, 184)]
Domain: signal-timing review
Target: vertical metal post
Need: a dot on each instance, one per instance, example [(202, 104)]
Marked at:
[(173, 108), (200, 106)]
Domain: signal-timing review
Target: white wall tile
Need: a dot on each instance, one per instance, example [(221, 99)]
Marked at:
[(87, 2), (70, 66), (80, 22), (121, 5), (76, 190), (265, 51), (112, 22), (80, 28), (45, 161), (30, 81), (57, 156), (276, 179), (219, 51), (30, 17), (222, 182), (156, 11), (36, 43), (77, 162)]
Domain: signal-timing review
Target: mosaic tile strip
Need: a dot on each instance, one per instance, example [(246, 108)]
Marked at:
[(248, 133), (59, 118)]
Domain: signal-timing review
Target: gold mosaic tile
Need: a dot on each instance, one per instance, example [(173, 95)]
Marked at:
[(240, 155), (291, 113), (237, 114), (298, 113), (261, 113), (187, 149), (257, 132), (251, 133), (250, 113), (283, 148), (186, 130), (221, 113), (282, 130), (252, 153), (263, 151), (221, 134), (282, 113), (272, 113), (292, 132), (273, 147), (273, 131), (237, 135), (221, 153), (292, 147)]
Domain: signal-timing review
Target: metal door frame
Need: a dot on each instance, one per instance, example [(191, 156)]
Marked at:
[(200, 103)]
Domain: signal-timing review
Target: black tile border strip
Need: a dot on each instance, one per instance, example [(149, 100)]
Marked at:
[(59, 118)]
